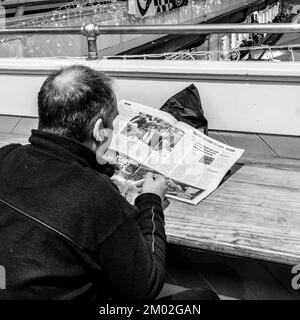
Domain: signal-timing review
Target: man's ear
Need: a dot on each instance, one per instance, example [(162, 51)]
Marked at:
[(98, 136)]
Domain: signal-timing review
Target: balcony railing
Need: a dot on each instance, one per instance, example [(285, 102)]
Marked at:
[(91, 31)]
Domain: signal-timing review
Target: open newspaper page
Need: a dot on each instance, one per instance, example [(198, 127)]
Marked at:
[(138, 131), (200, 164), (151, 140), (195, 165)]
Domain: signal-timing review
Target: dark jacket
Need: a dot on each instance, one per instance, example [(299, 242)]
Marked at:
[(67, 233)]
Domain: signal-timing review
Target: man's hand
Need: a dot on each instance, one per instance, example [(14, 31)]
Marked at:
[(154, 184)]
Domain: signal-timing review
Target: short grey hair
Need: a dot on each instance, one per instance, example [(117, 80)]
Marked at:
[(72, 99)]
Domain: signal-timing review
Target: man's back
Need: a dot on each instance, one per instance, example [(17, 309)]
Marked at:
[(64, 225)]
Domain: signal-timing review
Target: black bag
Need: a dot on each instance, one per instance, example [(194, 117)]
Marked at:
[(186, 106)]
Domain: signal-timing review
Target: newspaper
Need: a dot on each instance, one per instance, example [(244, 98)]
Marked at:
[(148, 139)]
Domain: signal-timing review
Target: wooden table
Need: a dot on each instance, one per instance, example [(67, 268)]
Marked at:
[(255, 214)]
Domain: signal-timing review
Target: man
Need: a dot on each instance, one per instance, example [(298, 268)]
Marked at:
[(66, 232)]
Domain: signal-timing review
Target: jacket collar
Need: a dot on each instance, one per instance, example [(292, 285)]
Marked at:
[(68, 149)]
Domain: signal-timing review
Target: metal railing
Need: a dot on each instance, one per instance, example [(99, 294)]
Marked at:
[(215, 55), (13, 4), (91, 31)]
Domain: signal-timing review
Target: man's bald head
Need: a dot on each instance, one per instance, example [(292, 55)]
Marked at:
[(72, 99), (67, 78)]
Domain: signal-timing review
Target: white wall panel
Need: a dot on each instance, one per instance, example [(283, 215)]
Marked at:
[(247, 97)]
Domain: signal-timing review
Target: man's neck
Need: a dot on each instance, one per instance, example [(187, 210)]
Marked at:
[(92, 145)]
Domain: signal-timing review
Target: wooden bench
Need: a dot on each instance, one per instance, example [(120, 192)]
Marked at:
[(255, 214)]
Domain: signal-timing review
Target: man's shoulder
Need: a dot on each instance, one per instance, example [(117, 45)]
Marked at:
[(9, 155), (4, 151)]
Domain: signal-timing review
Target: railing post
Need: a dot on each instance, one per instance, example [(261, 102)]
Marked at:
[(20, 9), (90, 31)]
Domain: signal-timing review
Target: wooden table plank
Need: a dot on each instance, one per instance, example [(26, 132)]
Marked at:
[(268, 176), (255, 214)]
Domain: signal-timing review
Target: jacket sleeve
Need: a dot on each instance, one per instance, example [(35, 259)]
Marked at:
[(133, 256)]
